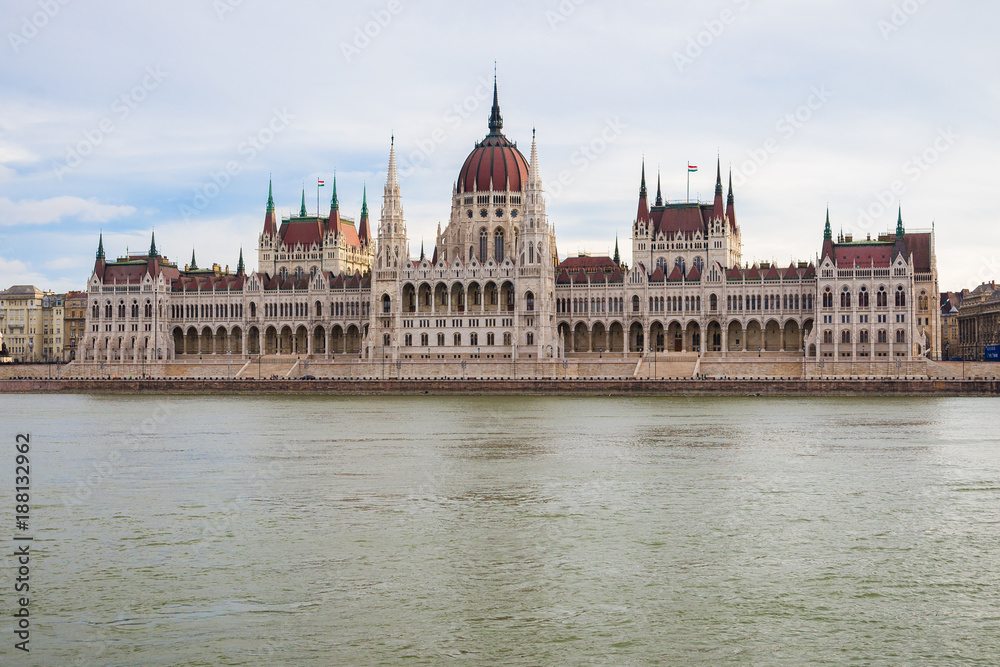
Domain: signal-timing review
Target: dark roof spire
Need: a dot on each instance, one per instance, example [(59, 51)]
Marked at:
[(100, 247), (899, 246), (240, 268), (152, 245), (899, 223), (334, 204), (270, 197), (642, 184), (718, 211), (731, 201), (827, 232), (302, 212), (364, 203), (194, 264), (496, 120), (659, 195), (618, 257)]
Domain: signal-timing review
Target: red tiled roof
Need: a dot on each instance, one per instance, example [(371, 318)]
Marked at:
[(658, 275), (581, 277), (772, 273), (306, 232), (753, 273), (563, 278), (676, 275), (684, 218), (791, 273), (572, 263), (694, 275)]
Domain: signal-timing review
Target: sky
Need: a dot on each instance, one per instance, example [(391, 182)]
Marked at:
[(122, 118)]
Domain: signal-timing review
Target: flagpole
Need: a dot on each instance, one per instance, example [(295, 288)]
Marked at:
[(689, 181)]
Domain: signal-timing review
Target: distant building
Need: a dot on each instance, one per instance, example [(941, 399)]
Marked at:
[(31, 323), (979, 321), (950, 303), (74, 322)]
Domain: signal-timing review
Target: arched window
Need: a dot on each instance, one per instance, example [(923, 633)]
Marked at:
[(458, 339), (900, 298), (529, 300), (845, 298), (828, 337), (863, 301), (529, 338), (386, 304), (531, 253), (901, 336), (498, 246), (635, 304), (473, 338), (828, 298), (882, 336), (319, 309), (863, 336), (483, 238), (298, 273), (121, 310), (845, 336), (253, 309), (95, 311), (440, 340), (700, 263), (881, 298), (679, 262)]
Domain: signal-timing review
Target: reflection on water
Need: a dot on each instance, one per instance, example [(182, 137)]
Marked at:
[(254, 530)]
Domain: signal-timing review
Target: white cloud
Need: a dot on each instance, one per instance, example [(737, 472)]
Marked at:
[(16, 272), (45, 211)]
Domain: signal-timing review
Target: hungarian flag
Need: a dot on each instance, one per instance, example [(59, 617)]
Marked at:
[(691, 168), (320, 183)]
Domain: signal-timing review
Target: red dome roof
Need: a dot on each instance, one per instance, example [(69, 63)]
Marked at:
[(494, 159)]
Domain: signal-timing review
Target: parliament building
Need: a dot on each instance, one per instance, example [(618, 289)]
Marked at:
[(494, 288)]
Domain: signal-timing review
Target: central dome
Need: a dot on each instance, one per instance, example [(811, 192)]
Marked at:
[(495, 163)]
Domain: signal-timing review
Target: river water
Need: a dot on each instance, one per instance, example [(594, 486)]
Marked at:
[(514, 531)]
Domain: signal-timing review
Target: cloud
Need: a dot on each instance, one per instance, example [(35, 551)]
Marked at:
[(45, 211), (16, 272)]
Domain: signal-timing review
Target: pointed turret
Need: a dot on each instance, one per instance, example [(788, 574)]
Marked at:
[(391, 179), (828, 239), (718, 213), (899, 246), (194, 264), (422, 255), (534, 178), (333, 224), (364, 228), (642, 215), (152, 245), (618, 257), (302, 211), (240, 268), (496, 120), (153, 258), (731, 203), (99, 263), (659, 193), (270, 225)]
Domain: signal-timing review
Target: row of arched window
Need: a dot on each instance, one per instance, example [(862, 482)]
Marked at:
[(132, 310), (592, 305), (863, 298)]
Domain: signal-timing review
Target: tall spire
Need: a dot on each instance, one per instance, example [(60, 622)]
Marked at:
[(100, 247), (496, 120), (899, 246), (827, 231), (240, 268), (364, 231), (534, 178), (731, 202), (659, 194), (152, 245), (194, 264), (718, 212), (642, 215), (302, 211), (391, 178), (270, 226), (334, 204), (618, 257), (828, 239), (422, 255)]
